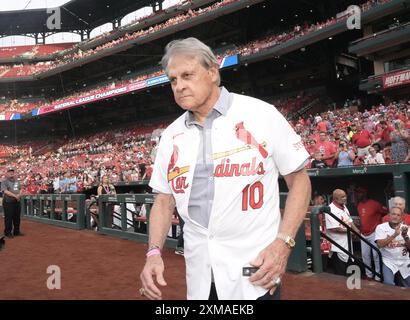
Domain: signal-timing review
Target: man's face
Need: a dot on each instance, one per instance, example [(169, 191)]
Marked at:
[(10, 175), (399, 203), (395, 215), (361, 195), (191, 83), (322, 137), (341, 198)]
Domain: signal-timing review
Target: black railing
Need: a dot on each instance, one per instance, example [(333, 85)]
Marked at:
[(316, 234)]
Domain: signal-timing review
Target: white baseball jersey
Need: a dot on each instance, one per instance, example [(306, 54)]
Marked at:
[(395, 255), (252, 144), (340, 238)]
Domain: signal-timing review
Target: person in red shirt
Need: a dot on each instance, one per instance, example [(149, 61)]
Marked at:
[(311, 148), (402, 117), (370, 212), (148, 171), (327, 149), (32, 188), (322, 126), (401, 203), (362, 139), (384, 138)]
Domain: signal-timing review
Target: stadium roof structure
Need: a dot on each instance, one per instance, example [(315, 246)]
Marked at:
[(76, 15)]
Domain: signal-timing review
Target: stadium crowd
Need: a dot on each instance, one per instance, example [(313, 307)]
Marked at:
[(338, 138), (247, 49), (347, 137), (124, 155)]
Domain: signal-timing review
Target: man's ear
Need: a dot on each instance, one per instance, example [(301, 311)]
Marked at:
[(214, 72)]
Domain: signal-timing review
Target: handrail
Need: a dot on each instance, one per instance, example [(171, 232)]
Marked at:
[(315, 237)]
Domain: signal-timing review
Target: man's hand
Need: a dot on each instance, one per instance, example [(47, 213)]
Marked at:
[(404, 231), (396, 231), (272, 263), (154, 267)]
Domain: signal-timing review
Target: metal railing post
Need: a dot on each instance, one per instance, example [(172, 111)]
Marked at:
[(80, 211), (64, 210), (315, 240), (23, 209), (102, 206), (52, 208), (123, 211)]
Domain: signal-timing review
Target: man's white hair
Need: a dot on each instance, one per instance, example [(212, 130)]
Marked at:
[(191, 47), (399, 199)]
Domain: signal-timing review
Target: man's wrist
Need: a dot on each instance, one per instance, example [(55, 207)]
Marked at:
[(286, 239), (153, 250)]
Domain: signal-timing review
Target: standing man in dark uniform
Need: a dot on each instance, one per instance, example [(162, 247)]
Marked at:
[(11, 189)]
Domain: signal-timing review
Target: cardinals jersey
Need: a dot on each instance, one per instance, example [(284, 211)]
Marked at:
[(251, 145), (395, 255)]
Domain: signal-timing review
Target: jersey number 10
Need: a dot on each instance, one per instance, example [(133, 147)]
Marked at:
[(249, 195)]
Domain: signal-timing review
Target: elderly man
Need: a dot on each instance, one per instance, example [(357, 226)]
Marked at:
[(400, 203), (219, 165), (338, 232), (393, 240)]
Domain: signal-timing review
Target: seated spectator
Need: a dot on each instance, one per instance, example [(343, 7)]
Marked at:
[(393, 240), (318, 162), (68, 184), (374, 157)]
